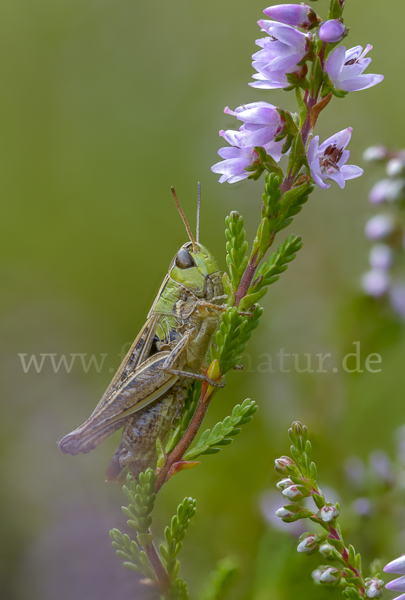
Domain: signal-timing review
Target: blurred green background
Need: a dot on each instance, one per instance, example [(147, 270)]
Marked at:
[(104, 105)]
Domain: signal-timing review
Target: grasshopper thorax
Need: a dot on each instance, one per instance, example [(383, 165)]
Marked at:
[(195, 269)]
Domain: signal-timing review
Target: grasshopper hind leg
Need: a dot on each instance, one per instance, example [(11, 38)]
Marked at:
[(137, 448)]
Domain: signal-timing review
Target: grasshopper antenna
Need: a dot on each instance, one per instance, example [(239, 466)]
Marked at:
[(183, 216), (198, 211)]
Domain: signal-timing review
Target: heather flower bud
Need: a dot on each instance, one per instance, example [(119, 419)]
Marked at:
[(388, 190), (396, 566), (397, 585), (395, 167), (283, 513), (375, 153), (332, 31), (326, 550), (281, 485), (381, 257), (281, 464), (375, 283), (328, 513), (293, 492), (374, 588), (330, 575), (397, 298), (316, 575), (308, 545), (379, 227), (298, 15)]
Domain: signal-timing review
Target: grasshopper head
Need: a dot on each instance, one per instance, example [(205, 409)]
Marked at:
[(195, 268)]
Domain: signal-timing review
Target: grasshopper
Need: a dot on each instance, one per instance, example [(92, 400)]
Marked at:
[(146, 394)]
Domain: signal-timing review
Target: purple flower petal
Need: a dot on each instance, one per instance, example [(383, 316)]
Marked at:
[(278, 80), (284, 33), (313, 148), (362, 82), (397, 585), (338, 177), (229, 152), (332, 31), (274, 149), (230, 136), (335, 63), (351, 171), (291, 14), (340, 139), (328, 160), (345, 69)]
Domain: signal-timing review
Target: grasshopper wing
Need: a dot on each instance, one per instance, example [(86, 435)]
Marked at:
[(139, 381)]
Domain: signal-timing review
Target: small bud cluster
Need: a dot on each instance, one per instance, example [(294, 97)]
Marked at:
[(384, 280), (301, 484)]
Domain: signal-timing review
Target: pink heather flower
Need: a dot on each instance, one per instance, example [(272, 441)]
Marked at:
[(375, 153), (397, 299), (235, 163), (386, 189), (396, 566), (345, 69), (332, 31), (280, 54), (397, 585), (379, 227), (298, 15), (395, 167), (328, 161), (381, 257), (375, 283), (261, 124), (233, 168)]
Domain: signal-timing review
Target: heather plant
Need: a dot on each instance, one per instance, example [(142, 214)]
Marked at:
[(300, 51), (299, 484)]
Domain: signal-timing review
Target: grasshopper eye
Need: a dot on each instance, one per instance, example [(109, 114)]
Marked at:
[(184, 260)]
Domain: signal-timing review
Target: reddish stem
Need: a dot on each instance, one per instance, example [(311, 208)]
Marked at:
[(246, 280), (162, 577), (177, 453), (334, 534)]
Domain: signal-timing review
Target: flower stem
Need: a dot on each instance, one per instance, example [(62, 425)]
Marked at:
[(162, 577), (177, 453), (334, 534), (246, 279)]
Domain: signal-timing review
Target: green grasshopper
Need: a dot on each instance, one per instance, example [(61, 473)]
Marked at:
[(146, 394)]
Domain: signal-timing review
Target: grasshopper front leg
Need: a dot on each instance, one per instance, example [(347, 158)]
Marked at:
[(191, 337)]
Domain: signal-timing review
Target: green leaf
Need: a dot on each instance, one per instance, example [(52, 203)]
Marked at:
[(276, 264), (236, 248), (335, 10), (232, 336), (302, 107), (224, 430), (141, 498), (175, 533)]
